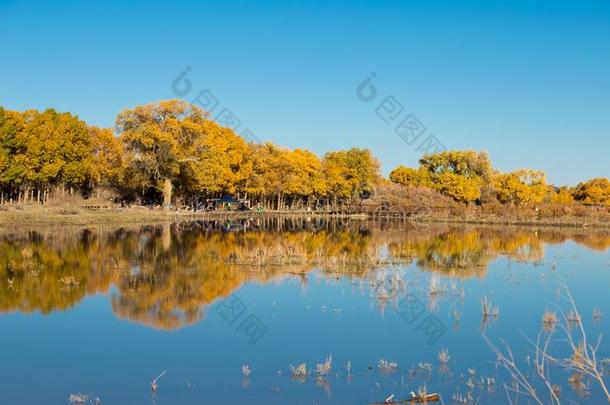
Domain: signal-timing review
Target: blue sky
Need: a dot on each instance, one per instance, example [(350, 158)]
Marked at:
[(527, 81)]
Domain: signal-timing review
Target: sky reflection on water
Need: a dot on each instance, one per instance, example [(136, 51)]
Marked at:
[(104, 311)]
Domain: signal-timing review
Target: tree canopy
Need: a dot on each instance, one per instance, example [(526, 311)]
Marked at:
[(172, 152), (594, 192)]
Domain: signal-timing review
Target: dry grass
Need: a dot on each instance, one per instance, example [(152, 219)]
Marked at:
[(387, 366), (581, 363), (443, 356), (245, 370), (549, 320), (299, 371), (488, 309), (323, 369), (416, 200)]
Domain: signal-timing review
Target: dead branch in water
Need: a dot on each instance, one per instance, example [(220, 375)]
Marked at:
[(418, 399)]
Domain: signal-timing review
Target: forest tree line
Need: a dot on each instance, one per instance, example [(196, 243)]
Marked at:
[(171, 152)]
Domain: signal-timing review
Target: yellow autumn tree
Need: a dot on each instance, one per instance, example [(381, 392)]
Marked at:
[(304, 178), (219, 161), (520, 187), (158, 141), (107, 157), (562, 195), (11, 126), (350, 173), (460, 188), (466, 163), (408, 176), (39, 150), (594, 192)]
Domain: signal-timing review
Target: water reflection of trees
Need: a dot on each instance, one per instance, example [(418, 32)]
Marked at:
[(465, 252), (164, 276)]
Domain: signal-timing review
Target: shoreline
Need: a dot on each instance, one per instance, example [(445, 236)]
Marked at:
[(136, 215)]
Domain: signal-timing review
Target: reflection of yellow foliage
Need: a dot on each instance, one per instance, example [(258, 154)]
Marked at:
[(165, 276), (467, 252)]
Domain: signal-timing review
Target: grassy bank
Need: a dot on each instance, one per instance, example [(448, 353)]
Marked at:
[(35, 216)]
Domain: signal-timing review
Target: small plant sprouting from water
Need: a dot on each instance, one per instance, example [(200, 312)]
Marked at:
[(572, 316), (422, 392), (582, 363), (549, 320), (424, 367), (323, 369), (245, 370), (435, 287), (462, 399), (387, 366), (457, 289), (81, 399), (488, 309), (299, 372), (443, 356), (153, 385)]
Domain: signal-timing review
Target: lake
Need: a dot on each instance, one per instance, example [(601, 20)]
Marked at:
[(396, 307)]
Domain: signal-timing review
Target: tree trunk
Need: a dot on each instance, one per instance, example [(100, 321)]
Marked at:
[(167, 193), (166, 237)]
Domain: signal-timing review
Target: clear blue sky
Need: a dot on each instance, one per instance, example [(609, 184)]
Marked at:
[(528, 81)]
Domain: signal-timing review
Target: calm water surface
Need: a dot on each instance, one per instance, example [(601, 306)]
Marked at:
[(104, 311)]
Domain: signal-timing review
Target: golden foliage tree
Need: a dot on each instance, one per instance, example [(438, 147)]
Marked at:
[(467, 163), (456, 174), (594, 192), (40, 150), (520, 187), (157, 139), (408, 176), (562, 195), (220, 160), (458, 187), (107, 157), (350, 173)]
